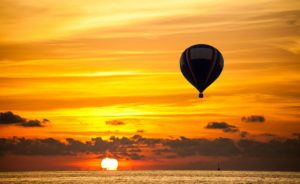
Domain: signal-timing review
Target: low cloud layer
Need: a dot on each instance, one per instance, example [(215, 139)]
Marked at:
[(9, 118), (253, 119), (297, 135), (222, 126), (133, 148), (244, 134)]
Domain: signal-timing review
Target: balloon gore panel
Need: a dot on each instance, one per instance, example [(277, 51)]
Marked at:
[(201, 65)]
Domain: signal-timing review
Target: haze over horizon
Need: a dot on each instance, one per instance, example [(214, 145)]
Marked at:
[(82, 80)]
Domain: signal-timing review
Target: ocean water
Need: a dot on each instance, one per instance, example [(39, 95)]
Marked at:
[(157, 177)]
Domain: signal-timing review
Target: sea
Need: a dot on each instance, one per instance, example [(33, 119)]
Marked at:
[(157, 177)]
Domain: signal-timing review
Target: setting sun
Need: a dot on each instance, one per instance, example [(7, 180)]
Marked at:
[(109, 164)]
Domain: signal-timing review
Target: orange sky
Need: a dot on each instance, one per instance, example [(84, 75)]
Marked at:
[(82, 63)]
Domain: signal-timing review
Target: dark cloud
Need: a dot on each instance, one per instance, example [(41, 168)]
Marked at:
[(150, 142), (188, 147), (289, 148), (132, 148), (9, 118), (135, 150), (135, 156), (162, 151), (267, 135), (297, 135), (222, 126), (33, 123), (243, 134), (23, 146), (253, 119), (140, 131), (115, 122)]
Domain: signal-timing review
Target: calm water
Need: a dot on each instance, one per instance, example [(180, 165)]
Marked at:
[(157, 177)]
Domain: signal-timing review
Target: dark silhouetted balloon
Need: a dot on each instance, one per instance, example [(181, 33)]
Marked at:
[(201, 65)]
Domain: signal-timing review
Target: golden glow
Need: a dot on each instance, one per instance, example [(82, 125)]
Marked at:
[(109, 164), (82, 63)]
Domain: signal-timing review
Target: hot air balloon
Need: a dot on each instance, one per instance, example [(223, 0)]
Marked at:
[(201, 65)]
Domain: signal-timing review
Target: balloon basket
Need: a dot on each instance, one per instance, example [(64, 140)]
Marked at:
[(201, 95)]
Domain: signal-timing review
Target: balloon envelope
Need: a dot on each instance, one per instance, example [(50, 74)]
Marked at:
[(201, 65)]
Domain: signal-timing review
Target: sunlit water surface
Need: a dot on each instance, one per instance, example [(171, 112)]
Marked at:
[(157, 177)]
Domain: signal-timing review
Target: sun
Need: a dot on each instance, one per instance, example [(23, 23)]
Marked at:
[(109, 164)]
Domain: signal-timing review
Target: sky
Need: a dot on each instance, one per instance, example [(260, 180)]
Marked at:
[(86, 79)]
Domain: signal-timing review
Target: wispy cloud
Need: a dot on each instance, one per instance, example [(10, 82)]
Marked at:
[(114, 122)]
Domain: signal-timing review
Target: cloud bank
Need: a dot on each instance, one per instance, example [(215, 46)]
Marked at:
[(132, 147)]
